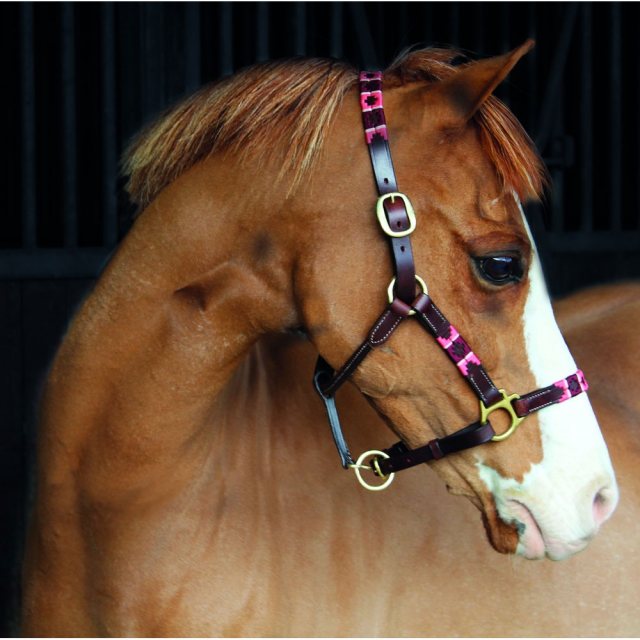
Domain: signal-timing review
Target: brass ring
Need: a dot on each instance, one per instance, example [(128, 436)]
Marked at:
[(358, 466), (419, 280)]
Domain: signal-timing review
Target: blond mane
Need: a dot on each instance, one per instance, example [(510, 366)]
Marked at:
[(292, 103)]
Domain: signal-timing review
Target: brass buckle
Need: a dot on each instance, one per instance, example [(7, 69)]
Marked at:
[(360, 466), (419, 280), (382, 215), (507, 404)]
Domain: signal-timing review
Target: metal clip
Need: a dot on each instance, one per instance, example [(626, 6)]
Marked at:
[(359, 466), (507, 404), (391, 294)]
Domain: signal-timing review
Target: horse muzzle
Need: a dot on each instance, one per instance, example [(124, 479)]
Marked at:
[(549, 528)]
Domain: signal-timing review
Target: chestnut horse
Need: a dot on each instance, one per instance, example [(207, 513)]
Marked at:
[(187, 484)]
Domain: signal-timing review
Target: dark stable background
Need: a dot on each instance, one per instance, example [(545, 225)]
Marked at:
[(81, 79)]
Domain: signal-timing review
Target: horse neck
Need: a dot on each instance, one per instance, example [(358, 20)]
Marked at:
[(173, 314)]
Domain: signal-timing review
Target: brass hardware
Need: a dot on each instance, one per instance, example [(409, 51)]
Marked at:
[(382, 215), (419, 280), (359, 466), (507, 404)]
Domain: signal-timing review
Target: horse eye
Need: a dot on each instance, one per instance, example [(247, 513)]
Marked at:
[(500, 270)]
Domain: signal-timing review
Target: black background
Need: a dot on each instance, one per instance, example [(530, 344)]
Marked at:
[(80, 79)]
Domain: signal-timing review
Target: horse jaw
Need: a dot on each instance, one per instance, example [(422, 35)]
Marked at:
[(560, 503)]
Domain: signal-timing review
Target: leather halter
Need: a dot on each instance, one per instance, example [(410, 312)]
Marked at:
[(397, 220)]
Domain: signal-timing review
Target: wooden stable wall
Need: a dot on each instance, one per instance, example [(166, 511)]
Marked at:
[(81, 79)]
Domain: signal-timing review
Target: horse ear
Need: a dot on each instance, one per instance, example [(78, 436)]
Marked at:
[(465, 92)]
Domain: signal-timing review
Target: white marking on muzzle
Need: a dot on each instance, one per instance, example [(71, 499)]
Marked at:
[(560, 492)]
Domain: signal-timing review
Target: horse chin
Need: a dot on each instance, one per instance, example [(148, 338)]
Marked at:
[(504, 537)]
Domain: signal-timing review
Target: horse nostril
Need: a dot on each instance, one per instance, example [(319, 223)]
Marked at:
[(603, 505)]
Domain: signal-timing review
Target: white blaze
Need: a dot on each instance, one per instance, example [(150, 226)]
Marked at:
[(559, 491)]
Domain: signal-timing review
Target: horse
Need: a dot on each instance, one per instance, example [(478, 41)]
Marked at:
[(186, 485)]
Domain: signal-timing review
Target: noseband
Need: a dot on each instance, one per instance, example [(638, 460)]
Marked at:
[(398, 221)]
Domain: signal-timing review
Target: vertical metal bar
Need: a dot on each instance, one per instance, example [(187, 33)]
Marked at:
[(549, 109), (193, 71), (636, 226), (586, 120), (557, 173), (503, 8), (225, 38), (615, 148), (455, 24), (401, 18), (479, 26), (28, 164), (337, 30), (363, 34), (532, 68), (152, 58), (262, 32), (428, 23), (69, 162), (300, 47), (109, 144)]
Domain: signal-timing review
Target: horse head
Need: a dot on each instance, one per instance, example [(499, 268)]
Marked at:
[(466, 165), (281, 152)]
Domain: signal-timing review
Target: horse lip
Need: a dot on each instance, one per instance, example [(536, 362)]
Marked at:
[(536, 546)]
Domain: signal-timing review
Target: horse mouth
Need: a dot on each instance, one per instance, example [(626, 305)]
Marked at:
[(503, 536), (514, 529)]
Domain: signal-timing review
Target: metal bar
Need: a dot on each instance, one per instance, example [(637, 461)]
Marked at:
[(505, 43), (300, 46), (28, 164), (455, 23), (532, 68), (363, 34), (615, 140), (262, 32), (558, 172), (549, 108), (193, 71), (635, 220), (152, 58), (337, 30), (401, 15), (428, 23), (70, 160), (478, 26), (225, 38), (109, 131), (586, 119)]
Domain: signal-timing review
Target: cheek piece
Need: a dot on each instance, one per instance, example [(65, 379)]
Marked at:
[(398, 221)]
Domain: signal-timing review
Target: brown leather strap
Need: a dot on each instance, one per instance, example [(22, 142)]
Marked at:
[(382, 164), (401, 251), (557, 392), (536, 400), (400, 457), (386, 182), (381, 331)]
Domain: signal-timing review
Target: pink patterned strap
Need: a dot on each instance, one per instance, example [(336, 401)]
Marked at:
[(372, 106), (560, 391), (471, 368), (457, 348)]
